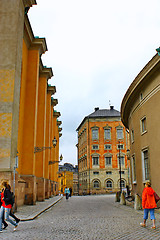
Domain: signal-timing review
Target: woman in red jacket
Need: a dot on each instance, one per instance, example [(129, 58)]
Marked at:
[(148, 204)]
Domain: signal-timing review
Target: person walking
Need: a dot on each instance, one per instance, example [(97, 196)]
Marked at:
[(6, 208), (70, 189), (67, 192), (148, 204), (3, 204)]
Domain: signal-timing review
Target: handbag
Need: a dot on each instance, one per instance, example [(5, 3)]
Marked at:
[(157, 198)]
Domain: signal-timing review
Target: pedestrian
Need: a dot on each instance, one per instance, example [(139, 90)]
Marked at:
[(148, 204), (11, 213), (3, 204), (6, 207), (67, 192), (70, 189)]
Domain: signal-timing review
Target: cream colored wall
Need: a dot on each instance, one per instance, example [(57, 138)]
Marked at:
[(148, 107)]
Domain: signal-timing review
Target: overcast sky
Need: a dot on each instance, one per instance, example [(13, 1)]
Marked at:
[(96, 48)]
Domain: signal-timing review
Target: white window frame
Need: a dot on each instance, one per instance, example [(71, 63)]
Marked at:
[(111, 182), (122, 134), (108, 156), (93, 160), (134, 176), (142, 125), (108, 145), (95, 136), (143, 165), (107, 134), (96, 146), (96, 182), (132, 136)]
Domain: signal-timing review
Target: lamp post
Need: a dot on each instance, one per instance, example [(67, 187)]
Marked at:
[(120, 167), (40, 149), (52, 162)]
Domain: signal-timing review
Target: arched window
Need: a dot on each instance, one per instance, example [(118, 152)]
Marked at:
[(96, 184), (109, 184), (123, 183)]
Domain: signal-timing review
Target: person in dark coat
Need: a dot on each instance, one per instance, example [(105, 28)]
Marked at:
[(6, 207), (70, 189)]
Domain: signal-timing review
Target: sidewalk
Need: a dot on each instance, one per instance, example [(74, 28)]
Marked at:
[(30, 212)]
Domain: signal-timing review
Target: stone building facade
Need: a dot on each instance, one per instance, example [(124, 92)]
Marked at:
[(102, 147), (28, 120), (140, 115)]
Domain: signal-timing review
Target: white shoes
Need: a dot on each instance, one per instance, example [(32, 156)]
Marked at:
[(15, 228)]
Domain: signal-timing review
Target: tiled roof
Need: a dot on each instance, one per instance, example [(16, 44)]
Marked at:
[(105, 113), (101, 113)]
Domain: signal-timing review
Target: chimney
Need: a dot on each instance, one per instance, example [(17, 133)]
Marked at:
[(96, 109), (111, 107)]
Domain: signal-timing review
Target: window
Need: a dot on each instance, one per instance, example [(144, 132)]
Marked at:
[(133, 169), (94, 134), (95, 147), (145, 163), (107, 133), (141, 96), (123, 184), (108, 184), (109, 173), (143, 125), (119, 133), (121, 160), (122, 172), (132, 135), (108, 161), (95, 160), (95, 173), (120, 146), (96, 184), (107, 147)]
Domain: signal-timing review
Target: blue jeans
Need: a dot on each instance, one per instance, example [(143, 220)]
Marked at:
[(1, 217), (7, 218), (146, 211)]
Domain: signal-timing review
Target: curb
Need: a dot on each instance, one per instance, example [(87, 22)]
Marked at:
[(32, 218)]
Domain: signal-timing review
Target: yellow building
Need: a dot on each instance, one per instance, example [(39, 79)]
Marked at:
[(28, 120), (65, 180)]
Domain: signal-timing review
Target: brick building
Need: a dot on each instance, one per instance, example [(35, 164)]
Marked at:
[(102, 145)]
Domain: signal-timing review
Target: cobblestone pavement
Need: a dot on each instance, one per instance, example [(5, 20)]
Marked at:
[(86, 218)]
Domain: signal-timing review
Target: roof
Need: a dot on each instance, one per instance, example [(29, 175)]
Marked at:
[(101, 113)]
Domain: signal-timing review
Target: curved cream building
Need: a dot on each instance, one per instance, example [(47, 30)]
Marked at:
[(140, 112)]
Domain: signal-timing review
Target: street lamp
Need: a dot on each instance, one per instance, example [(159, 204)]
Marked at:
[(40, 149), (120, 167), (52, 162)]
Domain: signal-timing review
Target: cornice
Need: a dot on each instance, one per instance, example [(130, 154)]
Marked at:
[(31, 41), (149, 69), (54, 102), (59, 123), (29, 3), (51, 90), (44, 71), (59, 129), (56, 114)]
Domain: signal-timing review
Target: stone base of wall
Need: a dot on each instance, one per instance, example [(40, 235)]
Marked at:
[(40, 189), (47, 188), (30, 189)]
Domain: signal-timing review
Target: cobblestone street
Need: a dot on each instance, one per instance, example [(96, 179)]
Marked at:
[(86, 217)]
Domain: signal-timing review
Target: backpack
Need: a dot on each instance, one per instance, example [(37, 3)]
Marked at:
[(12, 199)]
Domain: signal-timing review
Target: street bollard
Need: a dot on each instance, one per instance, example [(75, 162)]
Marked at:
[(117, 196), (122, 199), (137, 202)]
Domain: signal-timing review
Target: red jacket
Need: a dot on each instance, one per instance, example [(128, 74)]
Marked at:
[(148, 199)]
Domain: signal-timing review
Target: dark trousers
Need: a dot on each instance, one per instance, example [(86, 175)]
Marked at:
[(67, 195)]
